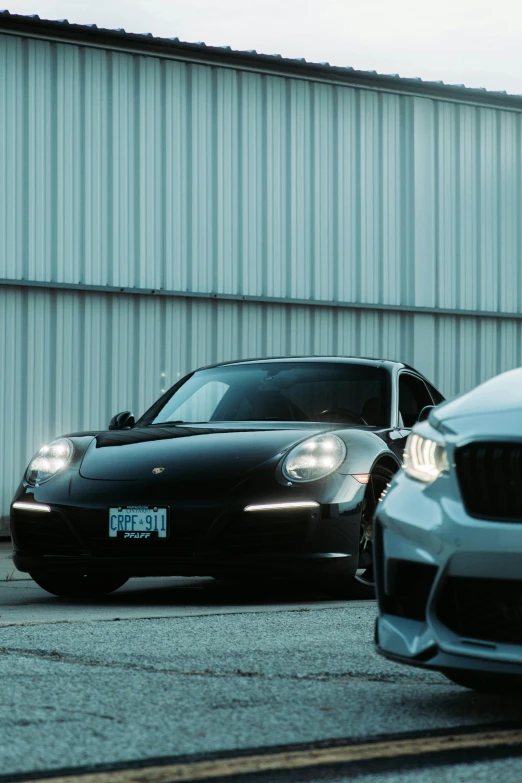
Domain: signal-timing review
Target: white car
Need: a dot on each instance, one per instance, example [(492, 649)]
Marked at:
[(450, 524)]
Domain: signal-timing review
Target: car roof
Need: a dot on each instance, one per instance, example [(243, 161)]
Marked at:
[(369, 361)]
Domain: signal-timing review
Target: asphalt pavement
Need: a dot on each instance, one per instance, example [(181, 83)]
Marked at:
[(169, 668)]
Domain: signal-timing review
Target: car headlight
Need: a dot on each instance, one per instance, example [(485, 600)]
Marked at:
[(49, 461), (315, 458), (424, 459)]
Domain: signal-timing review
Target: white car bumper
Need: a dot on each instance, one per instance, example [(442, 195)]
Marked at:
[(449, 585)]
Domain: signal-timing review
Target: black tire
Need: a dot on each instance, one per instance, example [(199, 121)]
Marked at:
[(487, 683), (362, 585), (78, 585)]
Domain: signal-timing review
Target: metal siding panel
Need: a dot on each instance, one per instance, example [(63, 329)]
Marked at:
[(424, 327), (390, 250), (39, 158), (407, 214), (508, 345), (488, 211), (12, 165), (371, 326), (67, 210), (150, 111), (348, 195), (201, 248), (301, 166), (487, 363), (397, 336), (227, 326), (321, 222), (322, 331), (446, 207), (13, 396), (509, 212), (124, 172), (278, 187), (201, 333), (228, 184), (348, 332), (467, 370), (447, 355), (370, 194), (424, 216), (95, 194), (175, 361), (253, 195), (176, 154), (252, 330), (468, 174)]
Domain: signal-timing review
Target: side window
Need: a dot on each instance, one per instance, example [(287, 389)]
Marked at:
[(413, 397), (437, 396)]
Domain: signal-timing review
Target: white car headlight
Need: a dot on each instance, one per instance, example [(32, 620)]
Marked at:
[(49, 461), (424, 459), (315, 458)]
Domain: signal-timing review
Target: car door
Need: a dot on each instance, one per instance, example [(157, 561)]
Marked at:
[(413, 395)]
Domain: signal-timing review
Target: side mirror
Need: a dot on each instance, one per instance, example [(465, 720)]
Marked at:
[(122, 421), (425, 412)]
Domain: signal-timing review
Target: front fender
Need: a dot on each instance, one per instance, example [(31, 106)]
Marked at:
[(364, 449)]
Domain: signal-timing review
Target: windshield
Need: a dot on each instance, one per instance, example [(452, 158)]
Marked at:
[(353, 394)]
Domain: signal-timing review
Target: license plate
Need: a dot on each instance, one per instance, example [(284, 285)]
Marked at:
[(138, 522)]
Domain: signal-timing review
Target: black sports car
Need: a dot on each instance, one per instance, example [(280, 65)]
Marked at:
[(261, 467)]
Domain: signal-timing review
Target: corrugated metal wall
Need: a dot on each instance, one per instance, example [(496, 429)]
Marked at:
[(135, 171), (142, 173)]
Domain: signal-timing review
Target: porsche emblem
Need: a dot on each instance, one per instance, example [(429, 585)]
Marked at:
[(158, 470)]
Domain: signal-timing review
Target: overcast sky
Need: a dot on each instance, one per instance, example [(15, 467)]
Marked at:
[(473, 42)]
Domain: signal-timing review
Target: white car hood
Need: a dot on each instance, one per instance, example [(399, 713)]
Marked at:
[(506, 425), (493, 408)]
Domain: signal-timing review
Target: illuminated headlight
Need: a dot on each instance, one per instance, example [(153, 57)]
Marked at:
[(314, 459), (425, 459), (49, 461)]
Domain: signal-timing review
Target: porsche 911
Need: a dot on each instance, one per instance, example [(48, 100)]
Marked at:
[(258, 468)]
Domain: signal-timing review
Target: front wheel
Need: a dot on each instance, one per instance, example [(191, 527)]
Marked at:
[(78, 585), (362, 585)]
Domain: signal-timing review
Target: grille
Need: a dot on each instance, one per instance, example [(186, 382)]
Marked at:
[(410, 583), (410, 586), (485, 609), (490, 479), (50, 535)]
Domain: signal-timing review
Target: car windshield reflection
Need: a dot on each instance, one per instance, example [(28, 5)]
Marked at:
[(352, 394)]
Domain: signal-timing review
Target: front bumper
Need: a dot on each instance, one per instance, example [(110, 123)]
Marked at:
[(207, 536), (449, 585)]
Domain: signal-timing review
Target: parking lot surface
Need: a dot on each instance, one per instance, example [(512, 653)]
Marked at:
[(175, 667)]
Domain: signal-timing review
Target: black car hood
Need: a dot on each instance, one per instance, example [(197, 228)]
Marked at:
[(186, 453)]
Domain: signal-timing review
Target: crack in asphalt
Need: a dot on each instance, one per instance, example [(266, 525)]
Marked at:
[(72, 715), (58, 657), (210, 612)]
